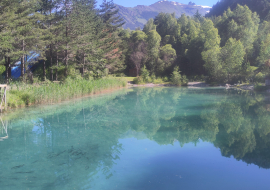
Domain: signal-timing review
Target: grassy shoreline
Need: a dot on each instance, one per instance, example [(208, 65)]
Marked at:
[(21, 95), (49, 110)]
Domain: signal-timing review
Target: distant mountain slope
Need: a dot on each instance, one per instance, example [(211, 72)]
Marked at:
[(138, 16), (262, 7)]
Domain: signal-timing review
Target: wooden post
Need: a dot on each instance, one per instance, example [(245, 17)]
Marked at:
[(3, 96), (4, 130)]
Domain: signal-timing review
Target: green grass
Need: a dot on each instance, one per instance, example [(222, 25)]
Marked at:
[(66, 106), (22, 95)]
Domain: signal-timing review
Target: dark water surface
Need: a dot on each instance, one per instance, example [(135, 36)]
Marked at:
[(140, 139)]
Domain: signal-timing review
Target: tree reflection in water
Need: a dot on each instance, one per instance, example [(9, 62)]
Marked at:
[(50, 147)]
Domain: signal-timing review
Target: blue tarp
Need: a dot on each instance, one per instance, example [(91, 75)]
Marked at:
[(31, 59)]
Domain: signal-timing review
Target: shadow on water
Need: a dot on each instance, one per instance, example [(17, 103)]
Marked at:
[(79, 141)]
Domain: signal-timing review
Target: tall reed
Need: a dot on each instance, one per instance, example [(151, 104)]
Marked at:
[(23, 94)]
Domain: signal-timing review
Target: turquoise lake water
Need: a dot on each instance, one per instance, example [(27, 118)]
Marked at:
[(140, 139)]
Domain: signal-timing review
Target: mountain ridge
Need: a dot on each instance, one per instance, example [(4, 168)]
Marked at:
[(137, 16)]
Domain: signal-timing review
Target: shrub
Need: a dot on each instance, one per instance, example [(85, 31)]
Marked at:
[(145, 74), (260, 87), (138, 80), (176, 77), (153, 77), (259, 78), (165, 79), (184, 80), (158, 81)]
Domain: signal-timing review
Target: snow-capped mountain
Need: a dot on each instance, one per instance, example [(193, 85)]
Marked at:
[(138, 16)]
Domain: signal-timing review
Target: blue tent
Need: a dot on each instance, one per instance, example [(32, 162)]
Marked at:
[(31, 59)]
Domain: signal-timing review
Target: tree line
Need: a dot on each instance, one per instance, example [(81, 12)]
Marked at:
[(230, 48), (69, 35), (74, 36)]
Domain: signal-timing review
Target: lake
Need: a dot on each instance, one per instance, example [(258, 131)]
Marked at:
[(140, 139)]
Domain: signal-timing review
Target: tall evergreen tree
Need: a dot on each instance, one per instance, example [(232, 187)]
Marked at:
[(86, 43), (24, 26), (49, 8), (6, 40), (111, 41)]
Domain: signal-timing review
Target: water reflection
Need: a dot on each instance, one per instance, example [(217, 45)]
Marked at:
[(3, 128), (79, 141)]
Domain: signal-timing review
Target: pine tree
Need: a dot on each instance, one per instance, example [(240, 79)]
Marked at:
[(26, 30), (110, 17), (57, 37), (110, 40), (198, 17), (85, 22), (6, 39), (51, 19), (64, 33)]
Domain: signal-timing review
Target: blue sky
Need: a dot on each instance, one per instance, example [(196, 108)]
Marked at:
[(133, 3)]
